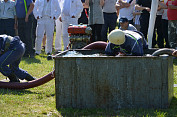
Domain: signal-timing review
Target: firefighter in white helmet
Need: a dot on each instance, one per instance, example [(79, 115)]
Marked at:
[(126, 42)]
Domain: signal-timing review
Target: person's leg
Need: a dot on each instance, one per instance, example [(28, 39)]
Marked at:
[(49, 27), (65, 26), (10, 27), (172, 33), (98, 32), (28, 37), (39, 35), (160, 40), (112, 22), (165, 32), (58, 35), (104, 29)]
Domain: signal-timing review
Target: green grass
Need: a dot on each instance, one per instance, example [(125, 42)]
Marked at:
[(40, 101)]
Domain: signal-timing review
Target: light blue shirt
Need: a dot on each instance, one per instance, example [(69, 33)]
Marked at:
[(7, 9)]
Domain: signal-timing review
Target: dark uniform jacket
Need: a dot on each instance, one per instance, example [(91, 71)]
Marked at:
[(133, 45)]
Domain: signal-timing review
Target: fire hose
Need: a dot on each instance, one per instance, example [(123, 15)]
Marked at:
[(30, 84)]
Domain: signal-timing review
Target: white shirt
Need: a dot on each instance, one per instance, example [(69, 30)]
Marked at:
[(47, 8), (127, 12), (7, 9), (71, 8)]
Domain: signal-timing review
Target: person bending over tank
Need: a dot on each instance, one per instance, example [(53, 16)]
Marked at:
[(125, 43), (11, 52)]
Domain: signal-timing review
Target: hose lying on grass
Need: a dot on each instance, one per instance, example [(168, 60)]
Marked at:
[(30, 84)]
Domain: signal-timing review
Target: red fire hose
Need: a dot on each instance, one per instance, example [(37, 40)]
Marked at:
[(30, 84)]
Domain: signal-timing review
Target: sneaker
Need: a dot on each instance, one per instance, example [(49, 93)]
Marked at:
[(29, 77), (12, 77)]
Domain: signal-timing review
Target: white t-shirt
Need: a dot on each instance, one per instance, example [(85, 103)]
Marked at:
[(127, 12)]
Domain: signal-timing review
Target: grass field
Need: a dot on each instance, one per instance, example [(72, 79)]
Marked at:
[(40, 101)]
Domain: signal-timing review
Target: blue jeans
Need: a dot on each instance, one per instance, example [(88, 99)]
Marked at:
[(110, 20), (12, 58)]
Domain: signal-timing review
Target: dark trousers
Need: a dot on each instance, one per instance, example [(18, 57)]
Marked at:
[(165, 32), (110, 20), (144, 23), (25, 34), (34, 31), (96, 32), (7, 26), (83, 19), (158, 28)]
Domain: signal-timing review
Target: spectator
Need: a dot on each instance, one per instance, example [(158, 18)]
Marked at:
[(126, 8), (58, 38), (145, 7), (110, 18), (137, 14), (95, 18), (172, 23), (70, 13), (124, 24), (165, 25), (8, 19), (158, 28), (46, 12), (25, 21), (84, 15)]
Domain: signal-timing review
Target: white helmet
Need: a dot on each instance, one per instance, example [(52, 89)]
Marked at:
[(116, 37)]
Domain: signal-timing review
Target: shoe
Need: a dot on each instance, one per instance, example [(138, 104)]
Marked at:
[(48, 53), (25, 55), (12, 77), (32, 55), (29, 78), (36, 54)]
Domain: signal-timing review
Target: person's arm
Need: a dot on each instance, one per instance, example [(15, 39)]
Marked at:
[(172, 7), (87, 2), (121, 4), (102, 2), (175, 53), (137, 7), (162, 5), (29, 11)]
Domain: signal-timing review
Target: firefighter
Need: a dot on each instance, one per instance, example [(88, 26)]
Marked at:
[(11, 51), (126, 43)]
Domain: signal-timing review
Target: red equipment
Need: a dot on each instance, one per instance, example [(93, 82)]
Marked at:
[(79, 36)]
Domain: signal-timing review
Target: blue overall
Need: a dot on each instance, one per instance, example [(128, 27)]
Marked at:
[(12, 57), (133, 45)]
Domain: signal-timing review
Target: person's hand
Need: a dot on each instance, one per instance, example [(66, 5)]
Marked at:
[(15, 26), (147, 9), (175, 53), (60, 19), (26, 18)]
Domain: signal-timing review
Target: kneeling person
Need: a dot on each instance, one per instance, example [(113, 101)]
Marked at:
[(126, 42), (11, 52)]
